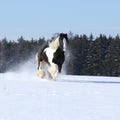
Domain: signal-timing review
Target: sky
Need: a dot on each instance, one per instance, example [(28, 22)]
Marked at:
[(44, 18)]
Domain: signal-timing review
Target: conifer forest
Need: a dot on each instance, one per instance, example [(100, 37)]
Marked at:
[(86, 55)]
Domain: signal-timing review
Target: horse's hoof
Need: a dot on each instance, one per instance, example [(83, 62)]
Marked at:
[(41, 74), (54, 76)]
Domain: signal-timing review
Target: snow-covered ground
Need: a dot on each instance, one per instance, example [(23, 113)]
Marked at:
[(23, 96)]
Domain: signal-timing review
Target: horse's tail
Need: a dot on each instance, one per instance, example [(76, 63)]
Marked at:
[(36, 58)]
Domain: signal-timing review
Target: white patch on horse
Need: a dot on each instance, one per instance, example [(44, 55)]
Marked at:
[(50, 53), (53, 68)]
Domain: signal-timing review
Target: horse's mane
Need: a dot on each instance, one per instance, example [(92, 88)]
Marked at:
[(54, 43)]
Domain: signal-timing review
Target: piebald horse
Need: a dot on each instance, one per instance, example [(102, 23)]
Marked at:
[(52, 53)]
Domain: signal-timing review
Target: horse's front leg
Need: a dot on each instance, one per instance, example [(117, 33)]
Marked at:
[(53, 71), (59, 68), (41, 72)]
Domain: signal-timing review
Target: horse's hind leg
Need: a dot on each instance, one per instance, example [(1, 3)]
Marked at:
[(41, 72)]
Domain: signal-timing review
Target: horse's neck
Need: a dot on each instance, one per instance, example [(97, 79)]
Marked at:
[(55, 43)]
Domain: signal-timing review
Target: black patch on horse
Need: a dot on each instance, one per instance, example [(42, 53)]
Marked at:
[(59, 58)]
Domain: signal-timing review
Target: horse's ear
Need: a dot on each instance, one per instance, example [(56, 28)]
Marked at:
[(61, 34), (66, 35)]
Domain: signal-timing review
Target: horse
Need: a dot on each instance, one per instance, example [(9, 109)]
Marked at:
[(52, 54)]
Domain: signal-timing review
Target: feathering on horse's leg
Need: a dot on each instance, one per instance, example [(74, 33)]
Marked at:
[(41, 72), (53, 72)]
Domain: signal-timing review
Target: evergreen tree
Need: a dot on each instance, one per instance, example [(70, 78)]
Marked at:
[(85, 55)]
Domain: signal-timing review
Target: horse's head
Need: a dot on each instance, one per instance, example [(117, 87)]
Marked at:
[(63, 40)]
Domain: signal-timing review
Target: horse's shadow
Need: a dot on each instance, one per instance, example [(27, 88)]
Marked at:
[(88, 81)]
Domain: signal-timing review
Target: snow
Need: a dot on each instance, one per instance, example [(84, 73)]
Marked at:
[(23, 96)]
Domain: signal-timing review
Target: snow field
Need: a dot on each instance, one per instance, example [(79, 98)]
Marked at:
[(25, 97)]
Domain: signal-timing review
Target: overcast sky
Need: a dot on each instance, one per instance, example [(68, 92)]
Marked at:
[(43, 18)]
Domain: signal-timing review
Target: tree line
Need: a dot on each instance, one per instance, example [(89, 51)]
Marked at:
[(86, 55)]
